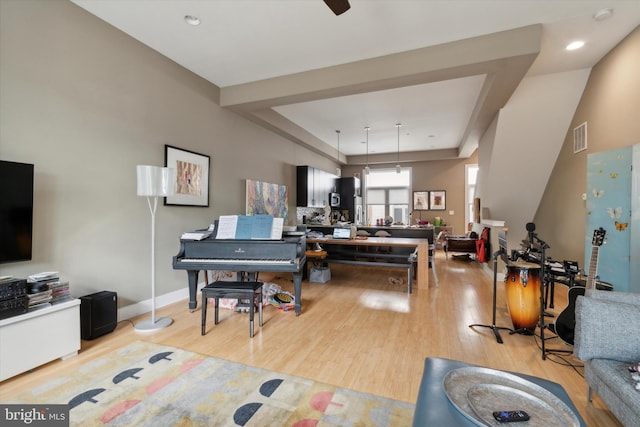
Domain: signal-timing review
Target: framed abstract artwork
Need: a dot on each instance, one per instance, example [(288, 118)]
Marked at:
[(267, 198), (420, 200), (192, 177), (437, 201)]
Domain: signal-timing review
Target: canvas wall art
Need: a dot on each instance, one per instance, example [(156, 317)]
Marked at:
[(267, 198)]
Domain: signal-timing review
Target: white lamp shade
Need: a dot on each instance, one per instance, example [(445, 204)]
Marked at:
[(155, 181)]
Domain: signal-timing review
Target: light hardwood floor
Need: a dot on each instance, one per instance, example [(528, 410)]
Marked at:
[(360, 332)]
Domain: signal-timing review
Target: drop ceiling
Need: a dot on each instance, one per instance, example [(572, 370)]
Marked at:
[(441, 68)]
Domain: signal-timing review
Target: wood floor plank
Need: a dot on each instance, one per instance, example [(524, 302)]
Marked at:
[(361, 332)]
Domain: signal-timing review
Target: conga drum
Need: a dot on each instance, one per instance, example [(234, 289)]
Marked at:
[(523, 294)]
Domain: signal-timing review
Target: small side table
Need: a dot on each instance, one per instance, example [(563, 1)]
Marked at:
[(240, 290)]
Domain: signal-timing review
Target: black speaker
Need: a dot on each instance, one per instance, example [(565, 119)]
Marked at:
[(98, 314)]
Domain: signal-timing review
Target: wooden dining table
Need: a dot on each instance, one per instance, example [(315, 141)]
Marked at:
[(421, 244)]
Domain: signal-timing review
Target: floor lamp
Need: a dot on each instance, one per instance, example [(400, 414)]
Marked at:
[(154, 182)]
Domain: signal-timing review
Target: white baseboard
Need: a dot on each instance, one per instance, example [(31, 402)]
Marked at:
[(489, 271), (143, 307)]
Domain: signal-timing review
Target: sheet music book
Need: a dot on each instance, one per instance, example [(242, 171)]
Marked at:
[(227, 227), (247, 227), (244, 227), (261, 226), (277, 228)]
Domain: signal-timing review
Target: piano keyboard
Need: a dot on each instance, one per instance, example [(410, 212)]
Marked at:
[(237, 261)]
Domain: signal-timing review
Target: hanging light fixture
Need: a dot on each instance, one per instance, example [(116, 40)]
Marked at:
[(398, 125), (366, 168), (338, 170)]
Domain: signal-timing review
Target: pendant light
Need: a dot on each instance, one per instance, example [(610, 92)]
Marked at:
[(338, 170), (366, 168), (398, 125)]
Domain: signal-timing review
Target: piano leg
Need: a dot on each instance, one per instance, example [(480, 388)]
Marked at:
[(193, 288), (297, 290)]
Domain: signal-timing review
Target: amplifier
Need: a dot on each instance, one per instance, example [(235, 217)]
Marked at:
[(12, 288), (571, 267), (98, 314), (10, 307)]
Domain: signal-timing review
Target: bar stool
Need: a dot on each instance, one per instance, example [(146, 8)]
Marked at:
[(240, 290), (316, 256)]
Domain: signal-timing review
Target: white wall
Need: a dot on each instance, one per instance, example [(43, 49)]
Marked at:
[(520, 149), (86, 103)]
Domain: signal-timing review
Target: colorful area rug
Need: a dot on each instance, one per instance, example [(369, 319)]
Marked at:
[(145, 384)]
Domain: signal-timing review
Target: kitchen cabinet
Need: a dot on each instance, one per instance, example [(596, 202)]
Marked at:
[(313, 187)]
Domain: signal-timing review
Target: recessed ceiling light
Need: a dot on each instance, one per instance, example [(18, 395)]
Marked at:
[(575, 45), (603, 14), (192, 20)]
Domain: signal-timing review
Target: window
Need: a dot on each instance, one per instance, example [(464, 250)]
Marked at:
[(387, 194), (471, 172)]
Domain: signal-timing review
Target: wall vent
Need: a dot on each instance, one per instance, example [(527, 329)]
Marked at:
[(580, 138)]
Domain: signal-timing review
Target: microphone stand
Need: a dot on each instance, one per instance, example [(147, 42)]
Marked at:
[(493, 327), (543, 274), (541, 324)]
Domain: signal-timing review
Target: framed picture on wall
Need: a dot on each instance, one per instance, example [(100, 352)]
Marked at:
[(266, 198), (192, 177), (437, 200), (420, 200)]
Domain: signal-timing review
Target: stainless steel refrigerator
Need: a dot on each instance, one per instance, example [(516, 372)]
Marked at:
[(350, 200)]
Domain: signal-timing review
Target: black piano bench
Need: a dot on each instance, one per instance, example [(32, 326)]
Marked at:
[(240, 290)]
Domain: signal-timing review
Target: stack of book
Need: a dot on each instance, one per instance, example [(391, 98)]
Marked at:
[(196, 235), (39, 300), (59, 292), (45, 289)]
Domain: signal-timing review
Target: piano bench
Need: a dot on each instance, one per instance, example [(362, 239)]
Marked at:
[(240, 290)]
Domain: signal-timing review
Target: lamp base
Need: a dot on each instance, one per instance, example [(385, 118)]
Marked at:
[(148, 325)]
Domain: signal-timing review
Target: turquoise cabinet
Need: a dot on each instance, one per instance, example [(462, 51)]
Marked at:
[(613, 203)]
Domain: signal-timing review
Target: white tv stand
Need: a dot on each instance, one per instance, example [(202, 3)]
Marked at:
[(37, 337)]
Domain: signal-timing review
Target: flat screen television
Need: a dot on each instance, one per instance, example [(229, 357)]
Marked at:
[(16, 211)]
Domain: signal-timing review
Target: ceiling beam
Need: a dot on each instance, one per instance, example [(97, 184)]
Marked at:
[(503, 57)]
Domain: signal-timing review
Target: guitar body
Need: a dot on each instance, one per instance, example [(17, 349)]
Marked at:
[(565, 324)]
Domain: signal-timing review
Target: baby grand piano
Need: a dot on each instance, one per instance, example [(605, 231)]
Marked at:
[(252, 256)]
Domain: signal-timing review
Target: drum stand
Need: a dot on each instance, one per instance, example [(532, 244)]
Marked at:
[(545, 279), (493, 327)]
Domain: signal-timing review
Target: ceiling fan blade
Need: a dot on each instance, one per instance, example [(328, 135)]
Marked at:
[(338, 6)]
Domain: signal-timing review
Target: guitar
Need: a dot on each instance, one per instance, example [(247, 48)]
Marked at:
[(565, 323)]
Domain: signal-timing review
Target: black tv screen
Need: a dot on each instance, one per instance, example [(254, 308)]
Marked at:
[(16, 211)]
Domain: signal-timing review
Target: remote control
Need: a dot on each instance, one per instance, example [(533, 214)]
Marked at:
[(510, 416)]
